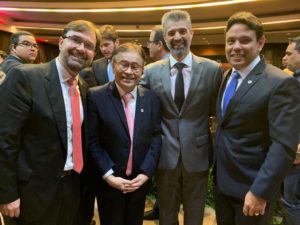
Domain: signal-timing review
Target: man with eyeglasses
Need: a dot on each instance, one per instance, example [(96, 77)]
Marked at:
[(100, 73), (157, 46), (125, 138), (187, 86), (23, 49), (43, 137)]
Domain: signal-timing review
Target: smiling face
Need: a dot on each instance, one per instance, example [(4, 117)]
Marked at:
[(128, 69), (178, 37), (75, 50), (242, 46)]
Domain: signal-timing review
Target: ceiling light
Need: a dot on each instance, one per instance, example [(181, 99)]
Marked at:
[(136, 9)]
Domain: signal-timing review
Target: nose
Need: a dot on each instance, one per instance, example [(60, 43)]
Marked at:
[(284, 58), (236, 45), (177, 35)]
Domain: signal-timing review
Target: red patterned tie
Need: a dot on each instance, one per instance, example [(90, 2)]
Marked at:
[(129, 119), (76, 126)]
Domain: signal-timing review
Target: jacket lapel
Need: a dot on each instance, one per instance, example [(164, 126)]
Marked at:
[(251, 79), (139, 111), (196, 75), (115, 98), (56, 99), (166, 83)]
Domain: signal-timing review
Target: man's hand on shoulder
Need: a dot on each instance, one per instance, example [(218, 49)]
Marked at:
[(11, 209)]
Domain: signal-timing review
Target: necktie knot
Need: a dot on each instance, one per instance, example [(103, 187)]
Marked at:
[(72, 82), (235, 75), (127, 98), (230, 91), (179, 66)]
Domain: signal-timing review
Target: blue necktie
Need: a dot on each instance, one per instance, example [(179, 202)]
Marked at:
[(110, 72), (230, 90)]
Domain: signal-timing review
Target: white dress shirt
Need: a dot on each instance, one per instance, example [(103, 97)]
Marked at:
[(64, 76)]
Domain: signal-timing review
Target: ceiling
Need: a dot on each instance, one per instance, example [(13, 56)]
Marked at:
[(134, 19)]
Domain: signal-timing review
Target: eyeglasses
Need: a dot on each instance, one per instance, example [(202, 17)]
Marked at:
[(124, 65), (29, 45), (78, 41)]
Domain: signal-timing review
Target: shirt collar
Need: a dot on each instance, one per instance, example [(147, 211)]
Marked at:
[(187, 60), (122, 92), (245, 71), (63, 74)]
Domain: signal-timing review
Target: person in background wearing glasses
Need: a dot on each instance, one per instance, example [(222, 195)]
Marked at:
[(23, 49), (158, 50), (43, 133), (125, 138), (157, 46), (187, 86)]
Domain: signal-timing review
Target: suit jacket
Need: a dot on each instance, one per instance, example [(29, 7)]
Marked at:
[(186, 133), (257, 138), (33, 136), (109, 134), (97, 75), (10, 62)]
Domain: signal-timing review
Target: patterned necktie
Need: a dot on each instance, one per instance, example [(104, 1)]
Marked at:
[(179, 86), (230, 90), (76, 126), (130, 123)]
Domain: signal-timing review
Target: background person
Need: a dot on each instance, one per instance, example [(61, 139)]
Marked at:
[(23, 49), (291, 186)]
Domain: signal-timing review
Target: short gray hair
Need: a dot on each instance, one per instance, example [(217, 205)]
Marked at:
[(175, 16)]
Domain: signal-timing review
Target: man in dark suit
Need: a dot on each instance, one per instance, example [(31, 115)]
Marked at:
[(23, 49), (101, 71), (187, 86), (43, 120), (291, 186), (125, 139), (258, 112)]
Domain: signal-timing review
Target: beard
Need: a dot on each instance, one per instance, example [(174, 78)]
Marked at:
[(178, 51), (76, 61)]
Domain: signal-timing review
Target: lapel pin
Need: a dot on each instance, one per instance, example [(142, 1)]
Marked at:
[(142, 110), (249, 81)]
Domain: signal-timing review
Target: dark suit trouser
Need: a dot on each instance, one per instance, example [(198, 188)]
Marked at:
[(63, 209), (176, 186), (229, 211), (291, 197), (117, 208)]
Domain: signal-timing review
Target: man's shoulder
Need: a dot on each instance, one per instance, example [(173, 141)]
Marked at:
[(156, 66), (100, 61), (206, 61)]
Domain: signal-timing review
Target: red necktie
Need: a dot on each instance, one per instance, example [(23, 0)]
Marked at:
[(129, 119), (76, 126)]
